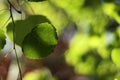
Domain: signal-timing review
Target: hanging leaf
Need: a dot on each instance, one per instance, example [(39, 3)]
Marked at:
[(23, 27), (2, 39), (40, 42), (116, 56)]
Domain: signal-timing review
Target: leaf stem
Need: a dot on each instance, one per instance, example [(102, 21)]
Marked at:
[(13, 7), (18, 63)]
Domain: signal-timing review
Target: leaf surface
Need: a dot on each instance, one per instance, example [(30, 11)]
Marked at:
[(116, 56), (40, 42), (23, 27), (2, 39)]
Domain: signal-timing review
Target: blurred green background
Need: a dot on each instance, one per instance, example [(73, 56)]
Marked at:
[(89, 39)]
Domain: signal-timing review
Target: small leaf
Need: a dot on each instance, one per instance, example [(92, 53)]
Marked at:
[(23, 27), (2, 39), (46, 34), (40, 42), (116, 56)]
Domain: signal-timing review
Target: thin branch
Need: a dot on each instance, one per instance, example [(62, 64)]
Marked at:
[(14, 7), (20, 8), (11, 15)]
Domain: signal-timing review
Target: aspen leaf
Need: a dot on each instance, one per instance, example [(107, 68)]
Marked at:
[(40, 42)]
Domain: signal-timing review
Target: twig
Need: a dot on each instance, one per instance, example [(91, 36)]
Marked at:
[(11, 15), (14, 7)]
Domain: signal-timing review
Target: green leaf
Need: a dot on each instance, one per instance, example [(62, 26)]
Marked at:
[(4, 18), (23, 27), (40, 42), (116, 56), (42, 74), (2, 39)]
